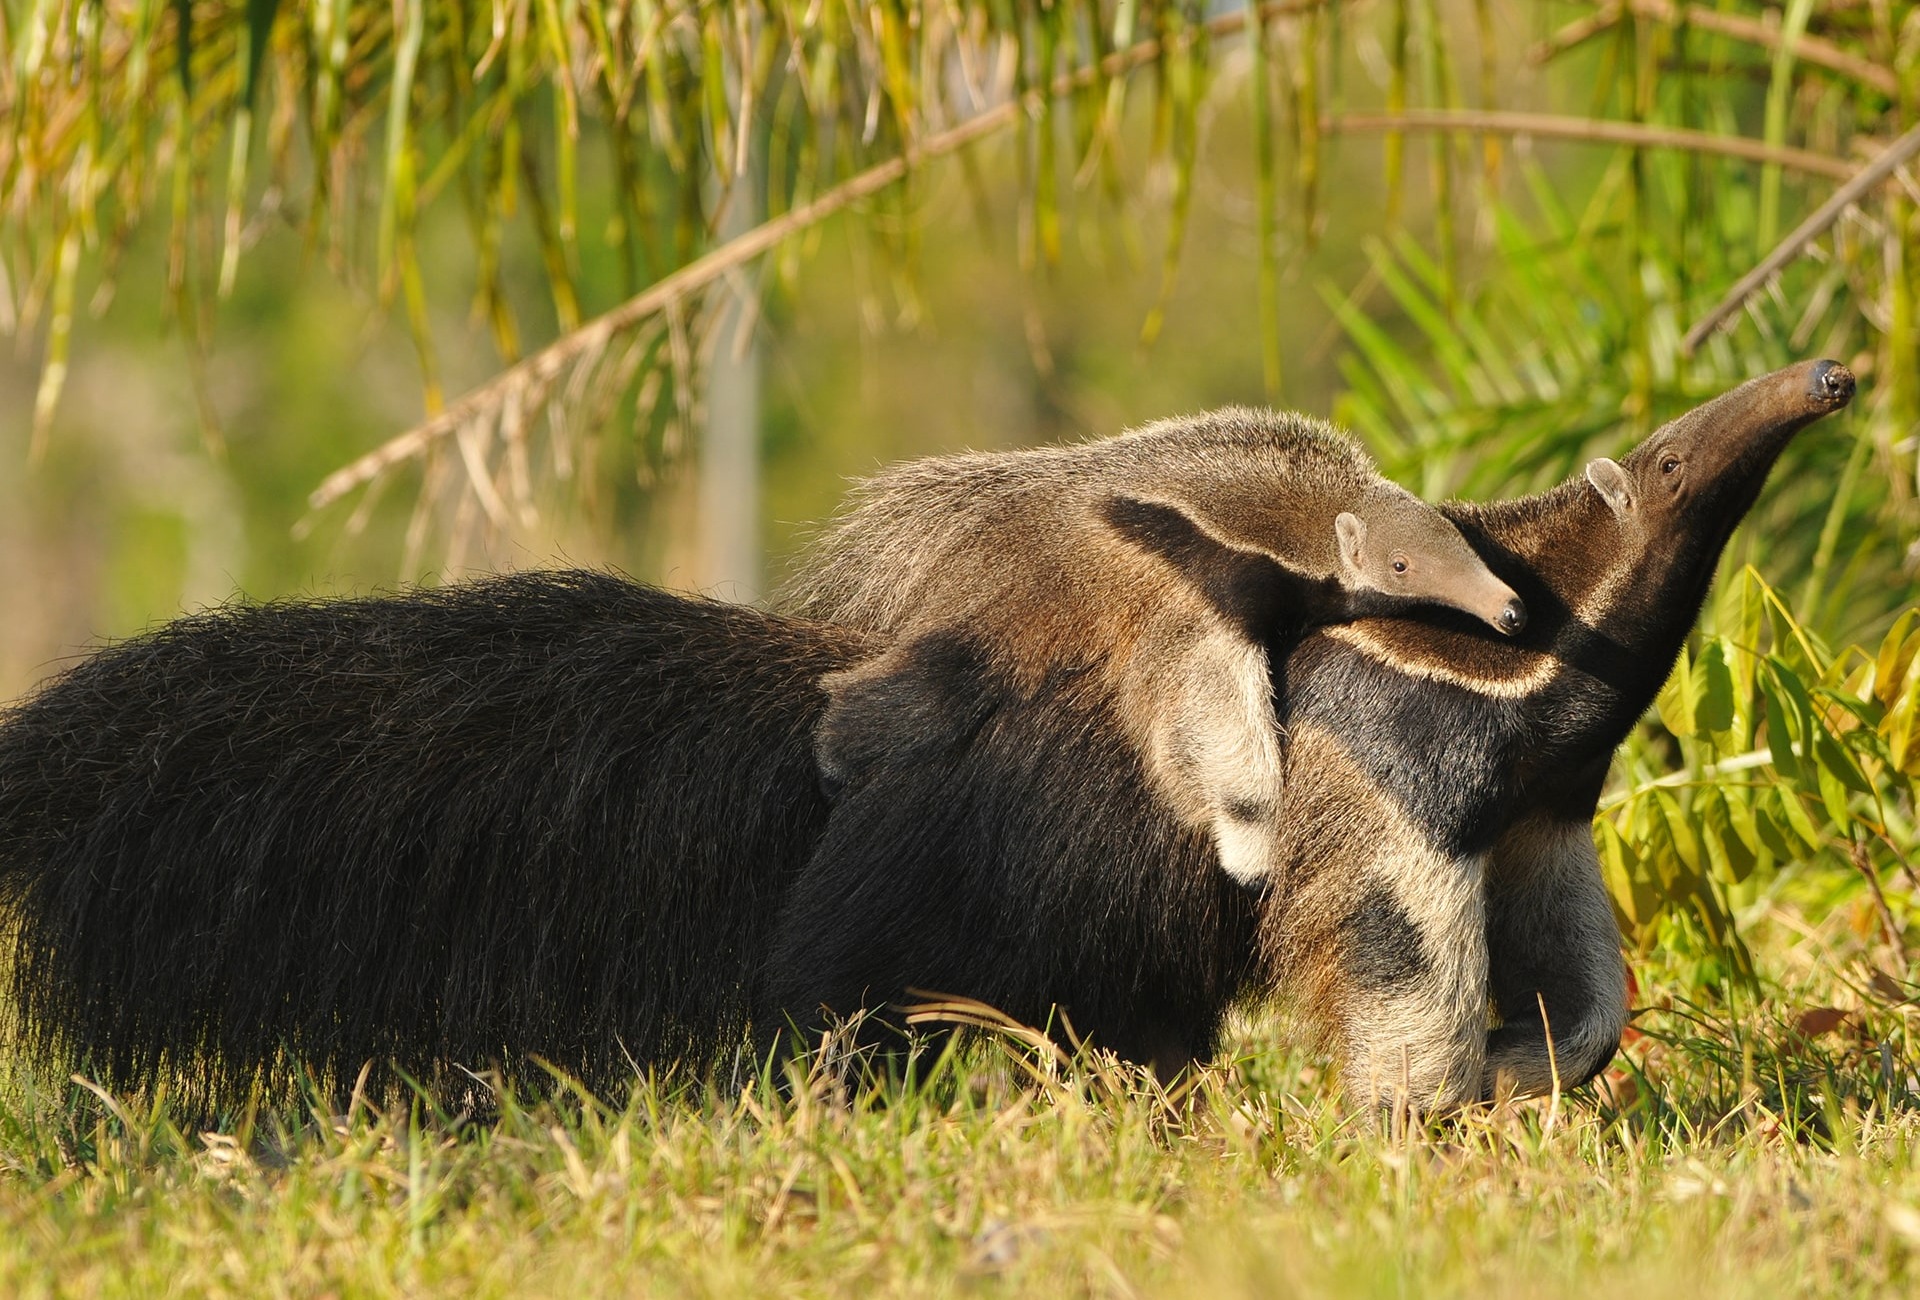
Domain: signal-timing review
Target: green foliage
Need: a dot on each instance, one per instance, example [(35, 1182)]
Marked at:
[(1789, 758), (115, 114)]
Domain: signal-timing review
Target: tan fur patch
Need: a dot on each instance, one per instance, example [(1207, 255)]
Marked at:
[(1420, 1043), (1532, 671)]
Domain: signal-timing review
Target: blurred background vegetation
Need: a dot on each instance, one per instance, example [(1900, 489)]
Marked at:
[(324, 296)]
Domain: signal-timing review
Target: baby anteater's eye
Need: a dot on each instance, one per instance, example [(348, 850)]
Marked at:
[(1670, 464), (1399, 564)]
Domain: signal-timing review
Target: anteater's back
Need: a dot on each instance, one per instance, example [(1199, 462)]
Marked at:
[(952, 536)]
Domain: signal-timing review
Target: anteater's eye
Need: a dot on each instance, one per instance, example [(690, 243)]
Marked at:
[(1399, 564), (1670, 464)]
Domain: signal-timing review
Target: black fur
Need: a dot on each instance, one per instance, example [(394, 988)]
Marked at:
[(1383, 948), (1263, 598), (1003, 847), (546, 814)]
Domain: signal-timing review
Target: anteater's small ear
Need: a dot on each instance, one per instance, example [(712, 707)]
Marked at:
[(1352, 532), (927, 693), (1613, 484)]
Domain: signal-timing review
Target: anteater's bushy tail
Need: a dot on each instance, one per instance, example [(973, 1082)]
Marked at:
[(547, 814)]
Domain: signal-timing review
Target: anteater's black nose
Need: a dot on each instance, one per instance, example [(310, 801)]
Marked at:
[(1831, 384), (1513, 619)]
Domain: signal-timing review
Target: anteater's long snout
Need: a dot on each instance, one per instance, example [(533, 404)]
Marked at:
[(1829, 385), (1743, 430)]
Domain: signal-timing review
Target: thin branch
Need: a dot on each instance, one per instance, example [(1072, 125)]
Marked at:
[(1875, 172), (1740, 27), (1577, 33), (1594, 131), (1857, 851), (545, 365)]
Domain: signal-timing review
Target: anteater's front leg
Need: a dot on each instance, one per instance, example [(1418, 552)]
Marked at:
[(1381, 938), (1552, 944)]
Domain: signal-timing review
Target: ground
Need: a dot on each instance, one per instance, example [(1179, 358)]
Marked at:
[(1744, 1146)]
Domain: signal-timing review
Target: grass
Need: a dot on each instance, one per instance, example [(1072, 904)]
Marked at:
[(1743, 1147)]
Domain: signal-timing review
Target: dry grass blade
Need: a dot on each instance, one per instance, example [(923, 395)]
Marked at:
[(944, 1009), (1556, 127)]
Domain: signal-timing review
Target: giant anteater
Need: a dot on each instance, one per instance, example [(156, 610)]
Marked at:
[(478, 823), (1433, 815), (997, 837)]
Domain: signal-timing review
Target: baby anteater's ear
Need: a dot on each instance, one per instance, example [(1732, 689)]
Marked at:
[(1351, 532), (929, 693), (1247, 587)]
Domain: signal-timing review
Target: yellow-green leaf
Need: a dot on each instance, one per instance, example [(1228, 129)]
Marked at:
[(1779, 730), (1896, 657), (1801, 821), (1772, 837), (1712, 685), (1728, 853), (1676, 698), (1833, 793), (1901, 728), (1680, 829), (1627, 878), (1835, 758)]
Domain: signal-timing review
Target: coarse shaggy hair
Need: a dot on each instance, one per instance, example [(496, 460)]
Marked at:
[(542, 815)]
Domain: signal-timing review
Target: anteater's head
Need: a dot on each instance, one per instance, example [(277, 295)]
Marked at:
[(1396, 545), (1678, 496)]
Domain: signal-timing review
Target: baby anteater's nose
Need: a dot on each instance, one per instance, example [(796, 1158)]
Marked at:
[(1513, 619)]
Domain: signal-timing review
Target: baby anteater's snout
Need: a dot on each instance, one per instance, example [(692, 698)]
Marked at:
[(1513, 619)]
